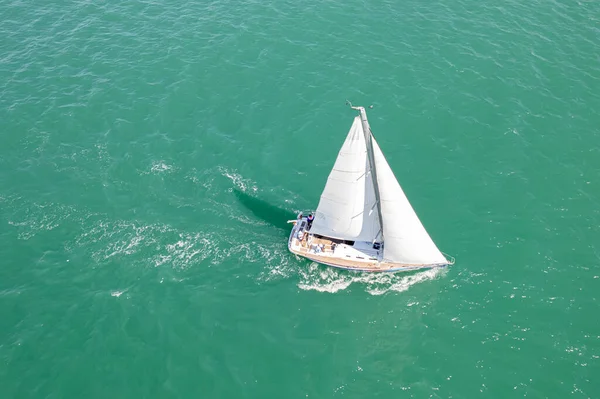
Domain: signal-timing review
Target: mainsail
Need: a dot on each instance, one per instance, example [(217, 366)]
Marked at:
[(347, 208), (363, 201)]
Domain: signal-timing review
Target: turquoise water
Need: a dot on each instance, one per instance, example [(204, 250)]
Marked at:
[(151, 153)]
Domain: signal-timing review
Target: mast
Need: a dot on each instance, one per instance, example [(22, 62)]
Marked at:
[(369, 144)]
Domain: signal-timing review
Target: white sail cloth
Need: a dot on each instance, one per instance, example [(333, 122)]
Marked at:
[(405, 239), (347, 208)]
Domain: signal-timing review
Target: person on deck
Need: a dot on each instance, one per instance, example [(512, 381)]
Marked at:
[(310, 221)]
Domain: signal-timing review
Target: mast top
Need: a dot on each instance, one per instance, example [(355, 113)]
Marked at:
[(359, 109)]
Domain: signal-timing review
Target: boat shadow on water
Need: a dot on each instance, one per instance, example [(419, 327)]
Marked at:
[(265, 211)]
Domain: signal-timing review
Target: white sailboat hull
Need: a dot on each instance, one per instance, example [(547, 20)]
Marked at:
[(356, 256)]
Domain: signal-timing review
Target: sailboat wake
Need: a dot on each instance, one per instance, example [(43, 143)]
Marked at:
[(327, 279)]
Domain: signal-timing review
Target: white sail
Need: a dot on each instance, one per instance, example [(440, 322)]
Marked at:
[(405, 239), (347, 208)]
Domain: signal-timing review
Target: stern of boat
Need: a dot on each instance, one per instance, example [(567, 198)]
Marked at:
[(299, 229)]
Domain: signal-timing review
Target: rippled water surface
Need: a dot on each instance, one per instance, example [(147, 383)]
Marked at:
[(151, 153)]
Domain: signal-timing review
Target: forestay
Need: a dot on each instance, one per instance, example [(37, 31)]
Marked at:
[(347, 208)]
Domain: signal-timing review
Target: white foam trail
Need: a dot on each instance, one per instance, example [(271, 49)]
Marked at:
[(163, 245), (323, 279), (328, 279), (238, 180), (160, 167), (157, 168), (30, 219)]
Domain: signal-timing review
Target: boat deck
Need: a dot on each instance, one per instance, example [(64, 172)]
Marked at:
[(361, 256)]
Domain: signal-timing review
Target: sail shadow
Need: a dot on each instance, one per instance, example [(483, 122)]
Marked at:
[(265, 211)]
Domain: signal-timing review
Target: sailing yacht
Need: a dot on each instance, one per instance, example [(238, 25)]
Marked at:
[(363, 221)]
